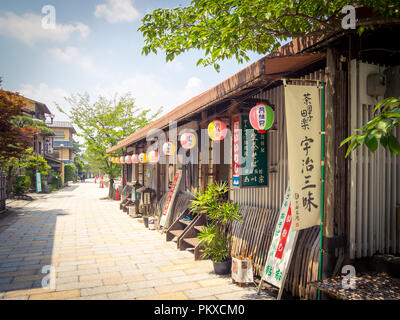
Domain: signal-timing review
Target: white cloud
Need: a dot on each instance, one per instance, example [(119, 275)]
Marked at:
[(73, 55), (152, 91), (47, 95), (115, 11), (28, 29)]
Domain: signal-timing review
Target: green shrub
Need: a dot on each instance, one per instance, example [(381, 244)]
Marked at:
[(215, 237), (69, 171), (22, 184)]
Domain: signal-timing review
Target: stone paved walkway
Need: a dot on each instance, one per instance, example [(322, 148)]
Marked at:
[(97, 252)]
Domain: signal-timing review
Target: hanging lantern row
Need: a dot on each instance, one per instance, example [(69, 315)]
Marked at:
[(261, 117), (217, 130)]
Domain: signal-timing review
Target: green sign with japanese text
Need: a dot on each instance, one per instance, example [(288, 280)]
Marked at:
[(254, 162)]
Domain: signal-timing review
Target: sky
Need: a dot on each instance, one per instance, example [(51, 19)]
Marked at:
[(96, 48)]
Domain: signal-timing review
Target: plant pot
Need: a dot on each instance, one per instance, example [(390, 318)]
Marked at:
[(146, 221), (222, 267)]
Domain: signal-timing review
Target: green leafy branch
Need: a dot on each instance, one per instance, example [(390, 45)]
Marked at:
[(380, 128)]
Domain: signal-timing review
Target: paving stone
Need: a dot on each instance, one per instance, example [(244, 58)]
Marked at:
[(177, 287), (104, 289), (78, 285), (132, 294), (202, 292), (60, 295), (167, 296)]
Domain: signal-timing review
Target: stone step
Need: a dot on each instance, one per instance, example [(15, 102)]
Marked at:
[(176, 233), (199, 228), (192, 241)]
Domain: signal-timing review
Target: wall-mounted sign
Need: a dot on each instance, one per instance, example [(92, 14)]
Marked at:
[(282, 246), (261, 117), (171, 197), (303, 125), (217, 130), (250, 156)]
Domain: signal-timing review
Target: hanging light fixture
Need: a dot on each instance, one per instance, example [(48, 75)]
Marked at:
[(217, 130), (122, 160), (261, 117), (169, 148), (128, 159), (142, 158), (135, 158), (188, 140), (153, 156)]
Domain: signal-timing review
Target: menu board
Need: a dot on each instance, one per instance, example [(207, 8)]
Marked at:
[(250, 157)]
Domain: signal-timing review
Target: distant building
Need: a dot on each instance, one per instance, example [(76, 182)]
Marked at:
[(63, 141)]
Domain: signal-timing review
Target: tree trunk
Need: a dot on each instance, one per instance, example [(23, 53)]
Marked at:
[(111, 188), (9, 177)]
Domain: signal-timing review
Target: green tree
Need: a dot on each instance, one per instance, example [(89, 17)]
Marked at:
[(380, 128), (69, 172), (31, 162), (103, 124), (225, 29)]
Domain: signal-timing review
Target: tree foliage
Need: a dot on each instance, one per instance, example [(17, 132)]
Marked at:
[(14, 140), (104, 123), (225, 29), (380, 128)]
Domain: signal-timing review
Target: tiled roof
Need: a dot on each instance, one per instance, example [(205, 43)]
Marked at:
[(63, 143)]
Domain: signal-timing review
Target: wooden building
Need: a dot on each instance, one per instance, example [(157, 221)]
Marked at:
[(361, 192)]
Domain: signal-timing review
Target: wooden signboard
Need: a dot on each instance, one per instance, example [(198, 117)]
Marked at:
[(281, 248), (171, 197)]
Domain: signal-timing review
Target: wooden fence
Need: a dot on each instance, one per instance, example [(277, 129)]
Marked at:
[(253, 236)]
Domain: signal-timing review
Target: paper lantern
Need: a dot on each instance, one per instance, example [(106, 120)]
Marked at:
[(142, 158), (128, 159), (122, 160), (153, 156), (116, 159), (188, 140), (169, 148), (261, 117), (135, 158), (217, 130)]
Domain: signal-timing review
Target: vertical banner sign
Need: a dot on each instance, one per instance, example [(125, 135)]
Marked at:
[(250, 158), (303, 125), (236, 151), (171, 196), (38, 182), (282, 246)]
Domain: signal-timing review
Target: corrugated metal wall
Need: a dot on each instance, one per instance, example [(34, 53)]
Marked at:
[(271, 197), (375, 179)]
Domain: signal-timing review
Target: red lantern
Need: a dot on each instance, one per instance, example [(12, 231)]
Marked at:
[(153, 156), (169, 148), (188, 140), (217, 130), (261, 117)]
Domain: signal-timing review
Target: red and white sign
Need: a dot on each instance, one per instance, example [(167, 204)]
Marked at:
[(171, 197), (282, 246), (236, 151)]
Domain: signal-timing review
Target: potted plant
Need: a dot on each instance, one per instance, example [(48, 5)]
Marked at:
[(215, 236)]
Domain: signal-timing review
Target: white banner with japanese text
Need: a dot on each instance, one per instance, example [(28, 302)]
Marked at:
[(303, 125), (282, 246)]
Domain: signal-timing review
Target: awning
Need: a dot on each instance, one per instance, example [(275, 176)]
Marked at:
[(264, 71)]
